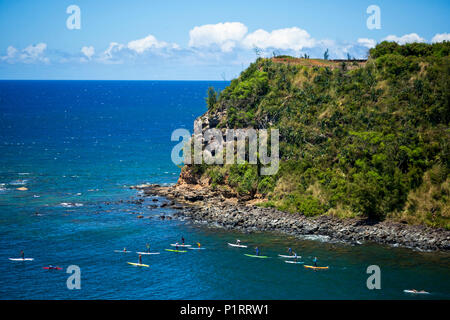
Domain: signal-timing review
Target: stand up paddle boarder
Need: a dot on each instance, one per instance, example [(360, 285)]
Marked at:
[(198, 245), (315, 261), (148, 247), (257, 251), (140, 259), (238, 242), (182, 240), (295, 257), (22, 254), (290, 251)]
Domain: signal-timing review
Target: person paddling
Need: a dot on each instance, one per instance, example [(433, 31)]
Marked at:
[(140, 259), (290, 251), (238, 242), (257, 251), (148, 247), (182, 240), (22, 254), (315, 261), (198, 245), (295, 257)]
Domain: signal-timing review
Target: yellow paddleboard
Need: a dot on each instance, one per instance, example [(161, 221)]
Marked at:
[(138, 264), (312, 267)]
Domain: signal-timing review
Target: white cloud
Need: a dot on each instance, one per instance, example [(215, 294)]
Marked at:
[(149, 42), (441, 37), (11, 51), (109, 54), (407, 38), (88, 51), (368, 43), (285, 39), (32, 53), (116, 52), (225, 35)]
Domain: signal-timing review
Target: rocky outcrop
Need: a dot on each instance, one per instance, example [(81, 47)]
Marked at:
[(203, 205)]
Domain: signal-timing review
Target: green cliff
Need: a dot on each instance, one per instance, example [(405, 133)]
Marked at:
[(356, 138)]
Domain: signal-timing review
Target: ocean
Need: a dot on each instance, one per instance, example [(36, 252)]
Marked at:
[(77, 146)]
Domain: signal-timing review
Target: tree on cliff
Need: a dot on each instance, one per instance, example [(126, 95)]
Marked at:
[(211, 99)]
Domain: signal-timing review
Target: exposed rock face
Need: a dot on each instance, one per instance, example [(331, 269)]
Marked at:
[(203, 205)]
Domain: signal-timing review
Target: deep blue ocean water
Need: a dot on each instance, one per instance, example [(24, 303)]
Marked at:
[(78, 145)]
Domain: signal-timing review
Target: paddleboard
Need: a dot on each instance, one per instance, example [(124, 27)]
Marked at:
[(20, 259), (237, 245), (415, 292), (52, 268), (298, 262), (181, 245), (175, 250), (312, 267), (147, 252), (121, 251), (288, 257), (197, 248), (138, 264), (255, 256)]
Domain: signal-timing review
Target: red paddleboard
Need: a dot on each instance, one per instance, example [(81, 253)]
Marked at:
[(52, 268)]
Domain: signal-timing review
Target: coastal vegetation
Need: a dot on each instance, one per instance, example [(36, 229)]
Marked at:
[(357, 139)]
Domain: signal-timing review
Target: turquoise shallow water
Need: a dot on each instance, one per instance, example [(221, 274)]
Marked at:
[(78, 145)]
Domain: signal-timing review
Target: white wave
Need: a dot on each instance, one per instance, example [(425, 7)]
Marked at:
[(70, 205), (316, 238)]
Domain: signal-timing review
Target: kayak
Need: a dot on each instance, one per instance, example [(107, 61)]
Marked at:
[(196, 248), (171, 250), (52, 268), (288, 257), (147, 253), (255, 256), (21, 259), (297, 262), (237, 245), (415, 292), (181, 245), (121, 251), (138, 264), (312, 267)]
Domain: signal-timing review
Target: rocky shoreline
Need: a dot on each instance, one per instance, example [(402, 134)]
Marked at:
[(201, 204)]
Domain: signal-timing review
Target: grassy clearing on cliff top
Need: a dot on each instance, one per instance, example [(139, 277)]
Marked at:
[(361, 139)]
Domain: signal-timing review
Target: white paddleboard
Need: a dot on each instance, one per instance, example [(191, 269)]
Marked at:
[(415, 292), (288, 257), (147, 252), (181, 245), (298, 262), (196, 248), (121, 251), (237, 245), (20, 259)]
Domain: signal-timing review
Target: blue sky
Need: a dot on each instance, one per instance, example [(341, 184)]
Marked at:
[(195, 40)]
